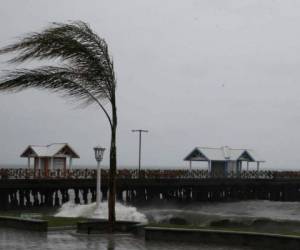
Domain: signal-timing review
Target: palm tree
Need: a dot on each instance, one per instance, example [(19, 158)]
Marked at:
[(85, 74)]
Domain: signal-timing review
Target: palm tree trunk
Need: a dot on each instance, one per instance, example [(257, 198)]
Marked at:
[(113, 169)]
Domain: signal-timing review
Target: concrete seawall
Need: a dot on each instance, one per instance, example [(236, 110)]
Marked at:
[(25, 224), (258, 240)]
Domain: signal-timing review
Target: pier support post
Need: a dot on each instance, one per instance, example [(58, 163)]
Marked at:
[(93, 192), (84, 193), (56, 199), (77, 199)]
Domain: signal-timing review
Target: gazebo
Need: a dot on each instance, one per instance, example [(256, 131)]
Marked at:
[(223, 160), (50, 157)]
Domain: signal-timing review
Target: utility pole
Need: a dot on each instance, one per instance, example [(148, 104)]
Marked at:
[(140, 131)]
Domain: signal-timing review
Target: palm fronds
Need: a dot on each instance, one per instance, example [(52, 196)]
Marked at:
[(77, 46), (87, 75)]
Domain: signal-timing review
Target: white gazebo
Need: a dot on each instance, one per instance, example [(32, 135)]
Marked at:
[(224, 160), (50, 157)]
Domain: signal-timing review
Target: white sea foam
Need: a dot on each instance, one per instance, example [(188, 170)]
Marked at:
[(128, 213)]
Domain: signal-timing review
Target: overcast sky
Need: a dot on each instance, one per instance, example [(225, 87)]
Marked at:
[(194, 73)]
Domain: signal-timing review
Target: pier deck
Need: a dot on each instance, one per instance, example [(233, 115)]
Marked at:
[(24, 188)]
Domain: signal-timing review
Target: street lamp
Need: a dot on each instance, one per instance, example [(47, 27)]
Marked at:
[(99, 151), (140, 131)]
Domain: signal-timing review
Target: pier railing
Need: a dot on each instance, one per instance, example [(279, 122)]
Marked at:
[(12, 173)]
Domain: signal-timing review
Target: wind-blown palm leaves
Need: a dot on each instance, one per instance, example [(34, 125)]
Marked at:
[(85, 74)]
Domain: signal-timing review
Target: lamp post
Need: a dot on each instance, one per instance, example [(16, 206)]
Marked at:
[(140, 131), (99, 151)]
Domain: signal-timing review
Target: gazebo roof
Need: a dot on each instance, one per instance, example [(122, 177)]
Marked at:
[(222, 154), (50, 150)]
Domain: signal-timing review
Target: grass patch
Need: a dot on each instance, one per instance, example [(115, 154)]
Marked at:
[(62, 221), (10, 213), (52, 221)]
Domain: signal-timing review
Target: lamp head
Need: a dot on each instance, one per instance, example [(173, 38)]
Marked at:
[(99, 151)]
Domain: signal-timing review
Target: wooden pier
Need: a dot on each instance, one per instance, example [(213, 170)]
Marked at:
[(25, 188)]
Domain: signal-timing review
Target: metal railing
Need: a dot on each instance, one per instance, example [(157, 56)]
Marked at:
[(21, 173)]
